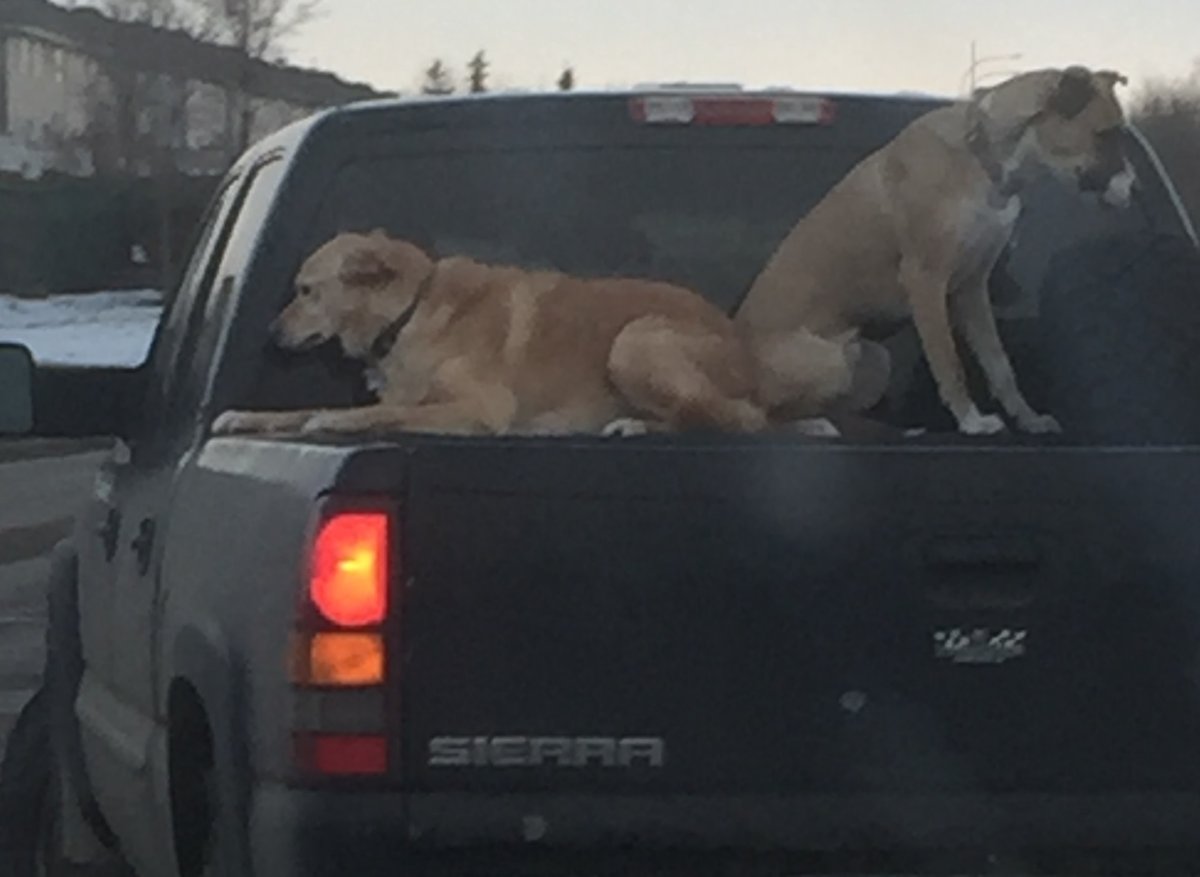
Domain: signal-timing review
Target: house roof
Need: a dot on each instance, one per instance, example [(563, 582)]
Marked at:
[(179, 54)]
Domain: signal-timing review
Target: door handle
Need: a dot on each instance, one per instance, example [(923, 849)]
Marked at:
[(998, 554), (109, 531), (983, 572), (143, 545)]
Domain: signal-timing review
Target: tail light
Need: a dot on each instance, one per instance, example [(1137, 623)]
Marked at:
[(339, 650), (735, 110), (342, 755), (349, 576)]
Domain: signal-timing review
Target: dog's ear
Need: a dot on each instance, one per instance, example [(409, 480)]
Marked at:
[(1074, 91), (1111, 79), (365, 266)]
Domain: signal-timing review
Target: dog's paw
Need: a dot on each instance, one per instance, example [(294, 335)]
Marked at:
[(625, 427), (257, 422), (815, 427), (1040, 424), (238, 423), (975, 423)]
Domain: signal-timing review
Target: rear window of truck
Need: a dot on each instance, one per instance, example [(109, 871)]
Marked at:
[(707, 212)]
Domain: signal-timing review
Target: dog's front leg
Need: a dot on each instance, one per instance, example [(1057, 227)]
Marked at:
[(973, 315), (236, 422), (927, 291), (451, 417)]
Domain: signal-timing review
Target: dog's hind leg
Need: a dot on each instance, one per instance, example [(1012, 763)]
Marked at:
[(973, 316), (686, 376), (800, 374)]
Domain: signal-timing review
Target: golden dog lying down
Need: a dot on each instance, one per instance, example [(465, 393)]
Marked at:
[(462, 347)]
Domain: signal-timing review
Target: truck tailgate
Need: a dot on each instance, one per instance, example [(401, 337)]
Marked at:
[(792, 620)]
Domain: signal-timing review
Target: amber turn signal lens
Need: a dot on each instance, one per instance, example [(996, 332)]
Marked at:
[(340, 659)]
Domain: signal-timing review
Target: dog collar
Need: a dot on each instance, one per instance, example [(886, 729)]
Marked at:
[(1004, 186), (386, 340)]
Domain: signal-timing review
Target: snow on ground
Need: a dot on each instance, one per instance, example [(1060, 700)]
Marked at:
[(95, 328)]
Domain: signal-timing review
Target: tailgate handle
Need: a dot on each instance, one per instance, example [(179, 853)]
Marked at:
[(1000, 554)]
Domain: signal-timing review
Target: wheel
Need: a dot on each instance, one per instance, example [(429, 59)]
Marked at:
[(43, 748), (1118, 338), (26, 797), (31, 843), (64, 671)]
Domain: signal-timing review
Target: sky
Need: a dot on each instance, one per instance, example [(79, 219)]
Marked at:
[(872, 45)]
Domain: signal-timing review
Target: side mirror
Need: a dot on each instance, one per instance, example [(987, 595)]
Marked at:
[(58, 401), (86, 401), (16, 390)]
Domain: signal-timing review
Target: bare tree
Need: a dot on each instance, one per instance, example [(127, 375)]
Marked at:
[(184, 15), (1168, 113), (566, 82), (138, 119), (478, 76), (437, 79), (259, 28), (259, 31), (137, 115)]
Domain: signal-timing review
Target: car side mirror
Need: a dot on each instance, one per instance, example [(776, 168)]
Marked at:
[(16, 390), (62, 401)]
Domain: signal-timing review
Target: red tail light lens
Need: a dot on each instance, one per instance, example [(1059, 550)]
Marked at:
[(349, 583), (735, 110), (334, 755)]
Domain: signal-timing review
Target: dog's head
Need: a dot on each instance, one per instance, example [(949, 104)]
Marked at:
[(1069, 121), (352, 288)]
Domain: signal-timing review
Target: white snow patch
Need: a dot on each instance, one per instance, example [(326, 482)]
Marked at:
[(96, 328)]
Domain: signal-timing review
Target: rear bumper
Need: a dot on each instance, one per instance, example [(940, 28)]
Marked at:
[(302, 833)]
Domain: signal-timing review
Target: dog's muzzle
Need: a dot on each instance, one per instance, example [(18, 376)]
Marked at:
[(279, 337)]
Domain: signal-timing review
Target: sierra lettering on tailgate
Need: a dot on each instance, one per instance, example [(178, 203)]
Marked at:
[(565, 752)]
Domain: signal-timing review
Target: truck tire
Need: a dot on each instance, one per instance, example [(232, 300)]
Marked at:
[(64, 672), (1118, 338), (25, 786), (30, 812), (44, 741)]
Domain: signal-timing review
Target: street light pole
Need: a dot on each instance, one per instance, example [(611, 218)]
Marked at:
[(971, 74)]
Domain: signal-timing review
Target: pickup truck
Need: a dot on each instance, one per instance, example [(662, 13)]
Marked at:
[(696, 653)]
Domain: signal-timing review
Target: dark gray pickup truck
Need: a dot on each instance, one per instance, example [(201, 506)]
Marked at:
[(695, 653)]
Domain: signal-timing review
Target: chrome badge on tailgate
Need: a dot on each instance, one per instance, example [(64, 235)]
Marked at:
[(561, 752), (979, 645)]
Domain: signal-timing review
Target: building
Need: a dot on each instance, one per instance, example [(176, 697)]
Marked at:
[(80, 92)]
